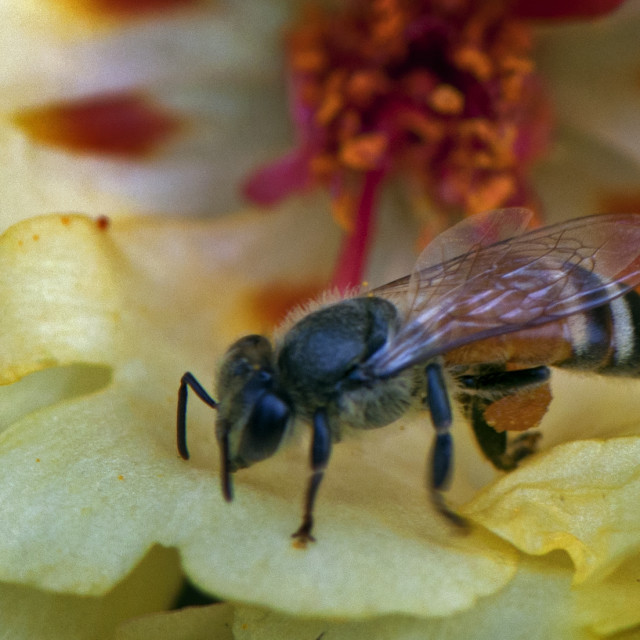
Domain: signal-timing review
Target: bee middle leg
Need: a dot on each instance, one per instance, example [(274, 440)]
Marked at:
[(320, 453), (490, 388)]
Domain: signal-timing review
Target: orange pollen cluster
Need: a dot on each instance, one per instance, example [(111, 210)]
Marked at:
[(439, 90)]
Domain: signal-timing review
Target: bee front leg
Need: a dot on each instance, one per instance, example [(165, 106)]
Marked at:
[(320, 452), (442, 453), (188, 380)]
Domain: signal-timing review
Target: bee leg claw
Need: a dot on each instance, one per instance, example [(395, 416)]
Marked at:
[(521, 447), (303, 535), (460, 522)]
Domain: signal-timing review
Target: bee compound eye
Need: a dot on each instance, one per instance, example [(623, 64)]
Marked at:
[(265, 428)]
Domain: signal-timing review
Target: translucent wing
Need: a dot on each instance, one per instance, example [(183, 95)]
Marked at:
[(480, 230), (521, 282), (470, 234)]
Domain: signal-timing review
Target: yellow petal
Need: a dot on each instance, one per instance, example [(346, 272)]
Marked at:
[(193, 623), (539, 603), (91, 478), (579, 497), (611, 605)]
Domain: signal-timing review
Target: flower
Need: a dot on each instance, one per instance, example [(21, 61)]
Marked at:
[(99, 322), (441, 93)]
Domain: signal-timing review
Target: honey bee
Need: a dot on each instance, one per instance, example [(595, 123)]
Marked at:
[(489, 308)]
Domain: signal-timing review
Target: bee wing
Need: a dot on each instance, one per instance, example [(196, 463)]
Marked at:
[(469, 235), (524, 281), (480, 230)]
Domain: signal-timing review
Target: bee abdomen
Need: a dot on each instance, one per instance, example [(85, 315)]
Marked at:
[(605, 339)]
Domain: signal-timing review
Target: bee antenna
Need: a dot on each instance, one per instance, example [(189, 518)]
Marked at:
[(225, 469)]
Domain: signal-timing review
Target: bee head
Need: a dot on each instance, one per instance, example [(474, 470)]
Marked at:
[(253, 414)]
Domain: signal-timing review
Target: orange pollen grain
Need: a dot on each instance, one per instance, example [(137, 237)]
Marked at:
[(323, 165), (514, 64), (363, 152), (329, 108), (363, 86), (427, 129), (308, 60), (491, 193), (475, 62), (35, 237), (512, 87), (66, 220), (446, 100), (343, 208), (117, 124)]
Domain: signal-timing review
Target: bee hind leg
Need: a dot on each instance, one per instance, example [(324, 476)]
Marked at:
[(504, 454), (500, 387)]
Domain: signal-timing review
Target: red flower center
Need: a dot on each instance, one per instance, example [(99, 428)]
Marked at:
[(440, 92)]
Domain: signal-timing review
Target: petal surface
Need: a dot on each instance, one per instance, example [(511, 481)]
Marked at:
[(91, 478)]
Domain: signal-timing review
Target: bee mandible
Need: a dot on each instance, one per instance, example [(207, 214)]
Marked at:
[(488, 309)]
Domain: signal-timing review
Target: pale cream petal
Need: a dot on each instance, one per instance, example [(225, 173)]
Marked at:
[(74, 52), (28, 613), (537, 605), (592, 69), (91, 480), (219, 137), (538, 602), (215, 70)]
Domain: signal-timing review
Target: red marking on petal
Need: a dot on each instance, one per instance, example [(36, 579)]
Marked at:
[(103, 223), (272, 303), (564, 9), (619, 202), (131, 8), (124, 125), (270, 184)]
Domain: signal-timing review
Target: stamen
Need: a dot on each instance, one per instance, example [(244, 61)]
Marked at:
[(441, 94)]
